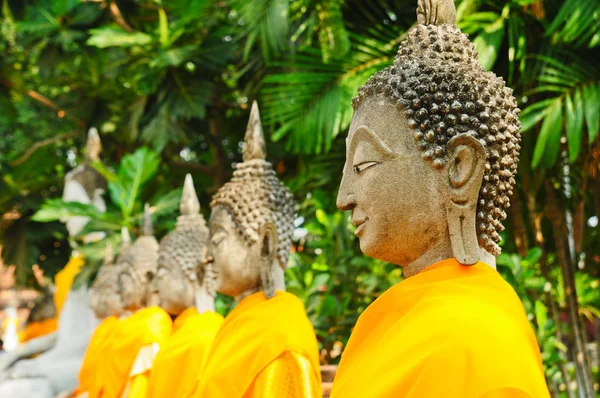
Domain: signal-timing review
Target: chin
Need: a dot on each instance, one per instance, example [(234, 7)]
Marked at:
[(378, 251)]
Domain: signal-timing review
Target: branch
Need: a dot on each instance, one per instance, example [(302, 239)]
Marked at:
[(43, 143), (47, 102), (116, 13)]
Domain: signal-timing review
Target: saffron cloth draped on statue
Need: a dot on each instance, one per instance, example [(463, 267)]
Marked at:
[(183, 355), (94, 355), (138, 334), (266, 348), (451, 331), (63, 281)]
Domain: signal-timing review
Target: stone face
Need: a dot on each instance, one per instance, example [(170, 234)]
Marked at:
[(254, 213), (182, 257), (438, 102), (105, 298), (137, 265)]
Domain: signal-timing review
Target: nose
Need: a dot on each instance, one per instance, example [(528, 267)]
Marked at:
[(345, 199)]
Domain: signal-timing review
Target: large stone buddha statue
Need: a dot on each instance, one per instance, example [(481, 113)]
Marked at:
[(62, 351), (266, 346), (185, 284), (432, 152), (143, 327)]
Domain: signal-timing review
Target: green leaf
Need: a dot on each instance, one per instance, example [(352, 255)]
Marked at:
[(534, 113), (488, 43), (541, 314), (591, 105), (58, 209), (163, 28), (114, 36), (574, 124), (135, 170), (548, 142)]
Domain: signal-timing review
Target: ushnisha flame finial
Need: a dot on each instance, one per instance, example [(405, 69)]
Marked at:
[(125, 239), (93, 146), (436, 12), (189, 200), (254, 140), (147, 225)]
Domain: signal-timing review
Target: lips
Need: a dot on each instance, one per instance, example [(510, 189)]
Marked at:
[(359, 223)]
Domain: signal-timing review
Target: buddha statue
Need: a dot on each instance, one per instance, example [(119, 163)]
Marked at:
[(42, 318), (107, 305), (431, 157), (143, 326), (185, 285), (266, 346), (61, 352)]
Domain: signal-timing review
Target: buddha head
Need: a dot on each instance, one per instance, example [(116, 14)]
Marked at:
[(251, 222), (84, 184), (182, 269), (431, 151), (138, 267), (105, 297)]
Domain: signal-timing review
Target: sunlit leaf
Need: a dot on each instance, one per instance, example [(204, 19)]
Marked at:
[(114, 36)]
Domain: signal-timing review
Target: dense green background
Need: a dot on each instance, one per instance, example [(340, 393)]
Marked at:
[(173, 80)]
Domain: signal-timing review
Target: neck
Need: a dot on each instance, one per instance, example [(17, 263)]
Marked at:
[(277, 277), (247, 293), (205, 302), (440, 252)]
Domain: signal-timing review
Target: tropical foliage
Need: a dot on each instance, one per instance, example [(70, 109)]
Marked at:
[(176, 78)]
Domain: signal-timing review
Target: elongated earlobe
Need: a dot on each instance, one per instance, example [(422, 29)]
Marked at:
[(464, 172), (267, 256)]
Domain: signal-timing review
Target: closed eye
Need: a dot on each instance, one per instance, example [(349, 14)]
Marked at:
[(358, 168), (218, 237)]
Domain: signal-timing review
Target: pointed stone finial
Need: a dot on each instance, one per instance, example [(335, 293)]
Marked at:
[(436, 12), (147, 226), (254, 140), (93, 146), (189, 200), (109, 256), (125, 239)]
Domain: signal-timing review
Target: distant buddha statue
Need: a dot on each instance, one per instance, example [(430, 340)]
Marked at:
[(432, 152), (127, 361), (266, 346), (42, 318), (61, 352), (108, 307), (185, 285)]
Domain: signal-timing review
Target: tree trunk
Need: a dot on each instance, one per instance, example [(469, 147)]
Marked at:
[(557, 217), (520, 234)]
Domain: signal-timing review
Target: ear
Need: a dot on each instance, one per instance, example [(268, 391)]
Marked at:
[(463, 177), (149, 276), (268, 241), (268, 251)]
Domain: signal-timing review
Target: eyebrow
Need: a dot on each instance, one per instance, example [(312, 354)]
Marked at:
[(363, 133)]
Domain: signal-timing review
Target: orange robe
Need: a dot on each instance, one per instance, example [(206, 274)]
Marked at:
[(125, 365), (183, 355), (451, 331), (63, 281), (266, 348), (34, 330), (100, 340)]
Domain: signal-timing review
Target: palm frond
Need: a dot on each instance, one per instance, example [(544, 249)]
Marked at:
[(577, 23), (309, 100), (571, 94)]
